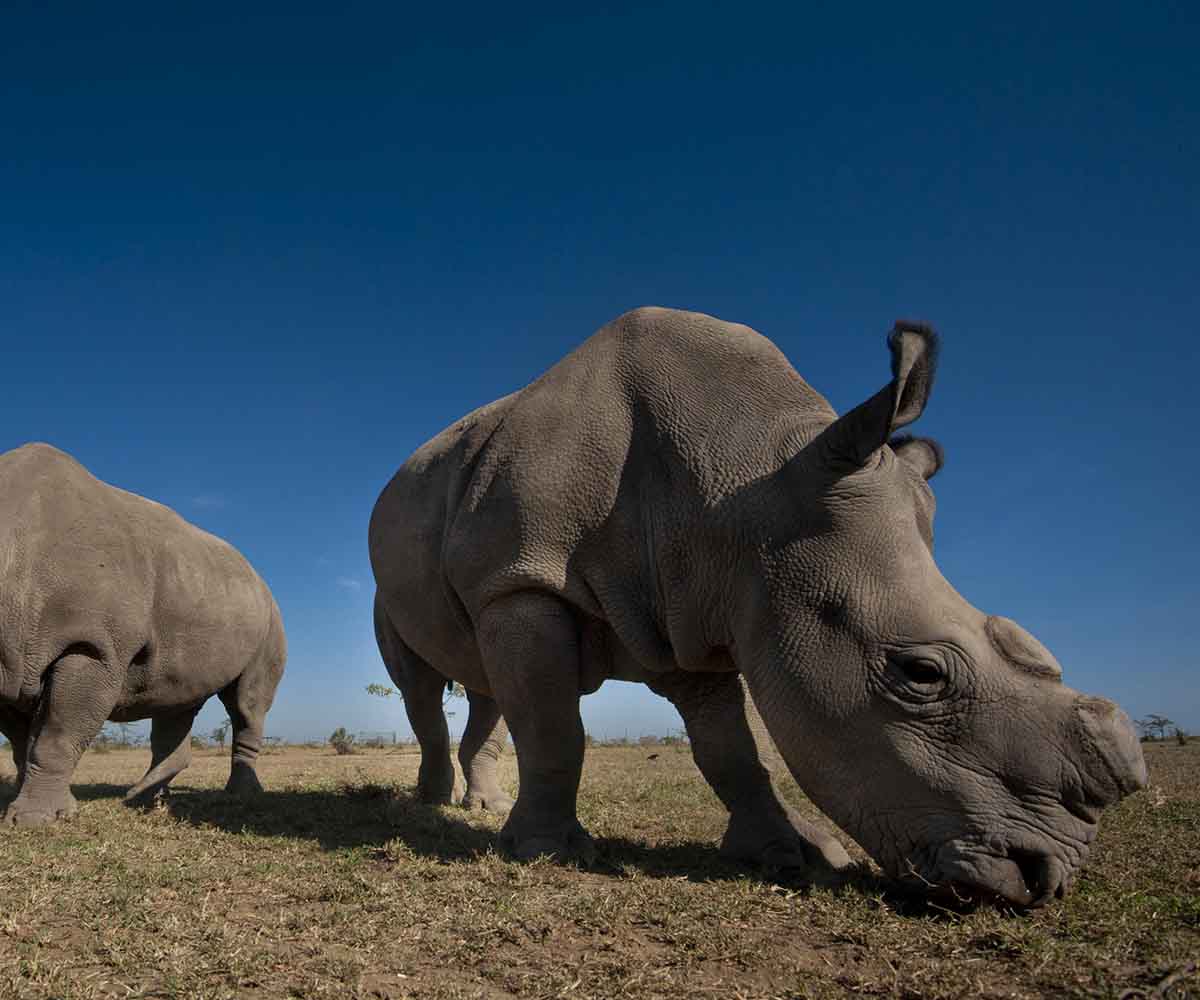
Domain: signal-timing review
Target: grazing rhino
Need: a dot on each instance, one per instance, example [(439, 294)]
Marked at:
[(672, 504), (114, 607)]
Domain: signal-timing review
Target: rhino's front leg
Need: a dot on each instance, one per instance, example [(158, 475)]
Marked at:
[(80, 693), (529, 644), (734, 753)]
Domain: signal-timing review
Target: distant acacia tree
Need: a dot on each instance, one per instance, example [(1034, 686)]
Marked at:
[(453, 690), (1154, 726)]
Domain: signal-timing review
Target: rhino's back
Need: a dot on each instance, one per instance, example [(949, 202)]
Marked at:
[(87, 562), (660, 414), (568, 484)]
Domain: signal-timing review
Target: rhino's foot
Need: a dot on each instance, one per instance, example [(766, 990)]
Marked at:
[(438, 783), (41, 811), (439, 793), (150, 797), (494, 801), (571, 844), (243, 781), (776, 842)]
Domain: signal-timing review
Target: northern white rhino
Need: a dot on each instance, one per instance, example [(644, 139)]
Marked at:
[(112, 606), (673, 504)]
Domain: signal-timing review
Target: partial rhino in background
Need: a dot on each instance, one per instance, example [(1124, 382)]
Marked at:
[(114, 607), (671, 503)]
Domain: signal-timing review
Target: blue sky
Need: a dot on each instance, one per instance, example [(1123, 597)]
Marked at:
[(249, 261)]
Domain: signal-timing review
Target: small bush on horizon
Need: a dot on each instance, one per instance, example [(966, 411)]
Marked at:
[(342, 741)]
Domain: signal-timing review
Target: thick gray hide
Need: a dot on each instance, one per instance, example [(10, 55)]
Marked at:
[(673, 504), (114, 607)]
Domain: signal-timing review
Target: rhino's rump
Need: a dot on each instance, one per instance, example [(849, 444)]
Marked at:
[(211, 618), (518, 495), (97, 569), (407, 540)]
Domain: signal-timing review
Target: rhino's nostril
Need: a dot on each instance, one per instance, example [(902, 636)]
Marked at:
[(1032, 868), (1045, 877)]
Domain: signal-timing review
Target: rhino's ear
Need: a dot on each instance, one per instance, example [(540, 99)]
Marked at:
[(857, 435), (923, 454)]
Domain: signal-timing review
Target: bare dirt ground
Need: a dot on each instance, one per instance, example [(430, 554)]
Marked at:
[(336, 884)]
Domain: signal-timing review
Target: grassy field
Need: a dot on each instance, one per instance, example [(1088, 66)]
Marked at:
[(335, 884)]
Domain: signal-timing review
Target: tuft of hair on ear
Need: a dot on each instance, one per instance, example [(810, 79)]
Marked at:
[(925, 454), (933, 343), (914, 349)]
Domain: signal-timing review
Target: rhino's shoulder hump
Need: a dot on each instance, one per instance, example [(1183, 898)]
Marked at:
[(37, 455), (40, 469), (657, 345), (664, 326)]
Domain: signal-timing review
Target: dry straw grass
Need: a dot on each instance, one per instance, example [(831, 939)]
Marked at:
[(335, 884)]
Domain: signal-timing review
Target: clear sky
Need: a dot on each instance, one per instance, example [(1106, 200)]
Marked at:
[(249, 260)]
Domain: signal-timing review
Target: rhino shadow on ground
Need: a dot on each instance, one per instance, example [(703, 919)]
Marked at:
[(379, 818)]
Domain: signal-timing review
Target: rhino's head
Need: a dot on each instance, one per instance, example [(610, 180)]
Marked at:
[(940, 737)]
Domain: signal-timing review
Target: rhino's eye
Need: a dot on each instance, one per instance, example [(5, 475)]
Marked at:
[(917, 676), (922, 671)]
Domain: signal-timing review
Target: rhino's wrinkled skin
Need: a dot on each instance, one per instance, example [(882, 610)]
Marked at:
[(114, 607), (672, 503)]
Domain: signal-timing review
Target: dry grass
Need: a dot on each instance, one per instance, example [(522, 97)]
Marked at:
[(335, 884)]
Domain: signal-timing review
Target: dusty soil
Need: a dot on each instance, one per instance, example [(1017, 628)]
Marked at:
[(336, 884)]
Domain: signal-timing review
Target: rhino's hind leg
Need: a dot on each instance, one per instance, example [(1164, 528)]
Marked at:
[(530, 648), (482, 744), (80, 694), (170, 753), (15, 728), (247, 700), (422, 689), (734, 753), (247, 719)]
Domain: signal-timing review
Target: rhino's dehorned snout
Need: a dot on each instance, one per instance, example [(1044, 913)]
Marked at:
[(1111, 753), (1020, 871)]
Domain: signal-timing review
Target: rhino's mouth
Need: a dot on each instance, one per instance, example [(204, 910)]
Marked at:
[(1023, 879), (1019, 877)]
